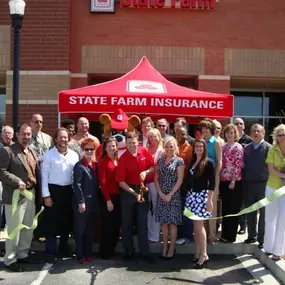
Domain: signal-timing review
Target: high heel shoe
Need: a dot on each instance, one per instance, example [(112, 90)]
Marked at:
[(202, 265), (170, 257), (195, 259)]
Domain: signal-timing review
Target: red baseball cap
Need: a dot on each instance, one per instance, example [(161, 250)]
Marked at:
[(119, 120)]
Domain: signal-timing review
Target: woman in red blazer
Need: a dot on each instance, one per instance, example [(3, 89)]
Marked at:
[(111, 193)]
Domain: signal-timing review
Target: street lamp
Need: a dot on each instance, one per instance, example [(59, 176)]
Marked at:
[(17, 10)]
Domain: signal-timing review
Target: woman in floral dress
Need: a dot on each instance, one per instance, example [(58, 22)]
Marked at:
[(230, 183), (168, 179)]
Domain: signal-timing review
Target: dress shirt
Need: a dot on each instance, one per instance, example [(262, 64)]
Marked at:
[(257, 145), (57, 168)]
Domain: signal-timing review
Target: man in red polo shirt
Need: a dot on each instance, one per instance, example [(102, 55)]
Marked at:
[(133, 166)]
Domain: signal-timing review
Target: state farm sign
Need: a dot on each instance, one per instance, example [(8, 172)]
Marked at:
[(190, 4)]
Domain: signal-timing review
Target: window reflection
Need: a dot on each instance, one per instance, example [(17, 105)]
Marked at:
[(274, 104), (248, 103)]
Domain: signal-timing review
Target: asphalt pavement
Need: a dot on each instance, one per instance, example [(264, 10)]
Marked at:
[(222, 269)]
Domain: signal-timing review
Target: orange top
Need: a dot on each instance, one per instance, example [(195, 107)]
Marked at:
[(186, 153)]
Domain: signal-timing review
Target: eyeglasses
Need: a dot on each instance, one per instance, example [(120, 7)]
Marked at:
[(218, 128), (89, 149), (239, 123), (38, 122), (281, 135)]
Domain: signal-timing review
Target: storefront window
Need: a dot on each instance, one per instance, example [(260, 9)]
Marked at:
[(274, 104), (248, 103)]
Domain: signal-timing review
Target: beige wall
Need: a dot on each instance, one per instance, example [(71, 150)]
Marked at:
[(255, 63), (5, 42), (37, 85)]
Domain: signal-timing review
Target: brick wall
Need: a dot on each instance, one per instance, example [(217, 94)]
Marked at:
[(49, 113), (5, 38), (214, 85), (45, 35)]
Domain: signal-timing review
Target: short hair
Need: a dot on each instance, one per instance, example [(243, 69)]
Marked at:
[(172, 139), (67, 122), (182, 120), (58, 130), (132, 135), (88, 141), (147, 120), (229, 127), (7, 126), (257, 126), (209, 124), (36, 114), (155, 132), (162, 119), (25, 125)]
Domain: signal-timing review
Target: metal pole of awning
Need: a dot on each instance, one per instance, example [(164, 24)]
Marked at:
[(58, 119)]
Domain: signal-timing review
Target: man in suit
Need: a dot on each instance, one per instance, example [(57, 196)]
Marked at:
[(19, 170), (40, 142), (6, 140)]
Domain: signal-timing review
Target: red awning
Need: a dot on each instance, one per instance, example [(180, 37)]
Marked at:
[(144, 90)]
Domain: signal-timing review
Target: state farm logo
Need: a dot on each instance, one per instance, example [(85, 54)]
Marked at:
[(140, 86)]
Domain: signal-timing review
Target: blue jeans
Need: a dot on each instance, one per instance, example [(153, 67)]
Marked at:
[(186, 229)]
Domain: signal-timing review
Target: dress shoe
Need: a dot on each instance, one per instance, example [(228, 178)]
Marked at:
[(276, 257), (2, 252), (28, 260), (170, 257), (251, 240), (201, 265), (260, 245), (15, 267), (149, 259), (50, 258), (223, 240), (82, 260)]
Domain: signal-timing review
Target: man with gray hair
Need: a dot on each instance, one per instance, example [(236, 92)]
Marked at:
[(255, 175), (7, 140), (40, 142)]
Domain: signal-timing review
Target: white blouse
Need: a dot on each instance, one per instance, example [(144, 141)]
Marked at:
[(57, 168)]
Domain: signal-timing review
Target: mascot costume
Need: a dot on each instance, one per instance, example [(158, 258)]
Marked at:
[(117, 124)]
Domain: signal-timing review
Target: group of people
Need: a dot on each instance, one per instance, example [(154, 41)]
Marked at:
[(73, 178)]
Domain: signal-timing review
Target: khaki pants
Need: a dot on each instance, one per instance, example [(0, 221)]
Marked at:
[(211, 225), (19, 247)]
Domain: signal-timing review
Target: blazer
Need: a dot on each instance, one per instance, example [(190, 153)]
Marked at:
[(13, 169), (85, 186)]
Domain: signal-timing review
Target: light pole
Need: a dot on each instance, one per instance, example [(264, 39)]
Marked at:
[(17, 10)]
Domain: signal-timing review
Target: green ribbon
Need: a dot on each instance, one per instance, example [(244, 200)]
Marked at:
[(254, 207), (15, 199)]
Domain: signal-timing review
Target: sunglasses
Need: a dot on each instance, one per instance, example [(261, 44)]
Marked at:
[(239, 123), (281, 135), (161, 126), (38, 122), (89, 149), (218, 128)]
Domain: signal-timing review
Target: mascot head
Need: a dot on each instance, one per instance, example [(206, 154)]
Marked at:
[(116, 125)]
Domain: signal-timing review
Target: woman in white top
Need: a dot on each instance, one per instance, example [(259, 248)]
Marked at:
[(155, 146), (57, 177)]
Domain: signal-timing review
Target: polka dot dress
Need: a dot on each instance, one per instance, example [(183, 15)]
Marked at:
[(196, 202)]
